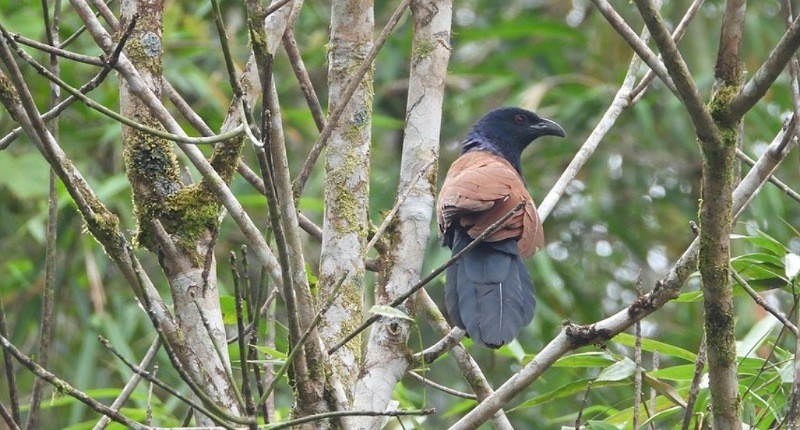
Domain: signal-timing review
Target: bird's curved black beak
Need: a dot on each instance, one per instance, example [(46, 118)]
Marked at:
[(545, 127)]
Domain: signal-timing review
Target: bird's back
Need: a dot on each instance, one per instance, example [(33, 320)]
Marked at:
[(480, 188)]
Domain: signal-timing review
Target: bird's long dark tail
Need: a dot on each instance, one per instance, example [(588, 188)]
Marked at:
[(489, 293)]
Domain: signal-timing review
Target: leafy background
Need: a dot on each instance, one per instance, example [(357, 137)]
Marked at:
[(626, 217)]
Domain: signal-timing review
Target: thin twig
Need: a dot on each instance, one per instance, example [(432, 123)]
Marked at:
[(583, 405), (299, 345), (79, 31), (274, 7), (441, 387), (336, 414), (115, 116), (639, 46), (48, 300), (786, 189), (677, 35), (347, 94), (244, 348), (215, 415), (6, 415), (86, 88), (296, 60), (127, 390), (403, 297), (792, 418), (51, 252), (687, 90), (621, 102), (400, 200), (763, 303), (11, 377), (64, 387), (637, 359), (149, 409), (433, 352), (63, 53)]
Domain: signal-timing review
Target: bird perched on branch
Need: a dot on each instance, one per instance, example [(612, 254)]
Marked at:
[(489, 293)]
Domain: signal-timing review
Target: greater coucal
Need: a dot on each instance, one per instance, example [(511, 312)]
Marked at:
[(489, 293)]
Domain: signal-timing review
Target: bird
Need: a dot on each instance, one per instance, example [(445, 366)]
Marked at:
[(488, 291)]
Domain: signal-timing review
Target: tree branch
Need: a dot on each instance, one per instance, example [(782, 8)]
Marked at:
[(65, 388), (344, 98), (679, 72), (639, 46), (756, 87)]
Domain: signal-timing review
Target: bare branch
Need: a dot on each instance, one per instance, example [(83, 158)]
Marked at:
[(11, 377), (345, 96), (337, 414), (441, 387), (694, 388), (6, 415), (763, 303), (620, 102), (639, 46), (756, 87), (786, 189), (65, 388), (679, 72), (677, 34), (127, 390)]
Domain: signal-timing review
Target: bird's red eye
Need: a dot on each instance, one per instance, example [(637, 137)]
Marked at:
[(519, 119)]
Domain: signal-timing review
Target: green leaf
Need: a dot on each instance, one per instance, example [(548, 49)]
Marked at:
[(600, 425), (684, 372), (585, 359), (689, 297), (651, 345), (274, 353), (664, 389), (618, 371), (227, 305), (569, 389), (390, 312), (762, 240)]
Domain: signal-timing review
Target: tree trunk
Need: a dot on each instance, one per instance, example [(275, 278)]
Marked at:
[(345, 223)]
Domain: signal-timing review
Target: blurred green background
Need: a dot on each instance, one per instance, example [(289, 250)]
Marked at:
[(626, 215)]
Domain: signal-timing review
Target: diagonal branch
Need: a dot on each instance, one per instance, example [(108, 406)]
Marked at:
[(756, 87), (344, 99), (65, 388), (687, 90), (639, 46)]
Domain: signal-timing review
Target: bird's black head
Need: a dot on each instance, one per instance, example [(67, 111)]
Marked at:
[(509, 130)]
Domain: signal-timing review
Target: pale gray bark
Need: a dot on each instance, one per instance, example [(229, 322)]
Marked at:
[(386, 357), (345, 222)]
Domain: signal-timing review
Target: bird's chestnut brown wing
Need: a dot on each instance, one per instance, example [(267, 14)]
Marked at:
[(480, 188)]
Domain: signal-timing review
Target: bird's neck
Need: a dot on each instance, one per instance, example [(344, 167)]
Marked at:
[(478, 142)]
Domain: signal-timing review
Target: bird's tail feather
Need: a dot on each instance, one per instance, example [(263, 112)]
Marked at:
[(488, 292)]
